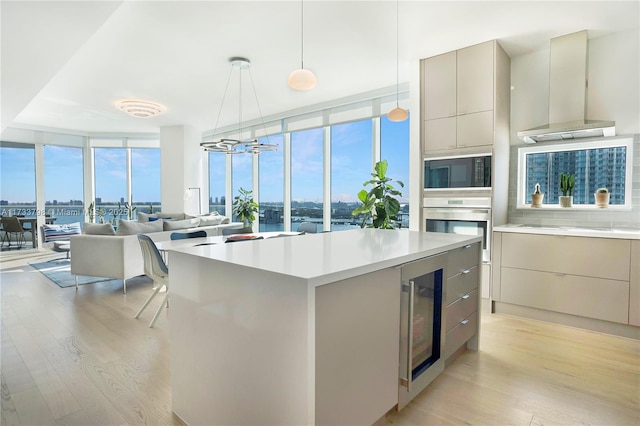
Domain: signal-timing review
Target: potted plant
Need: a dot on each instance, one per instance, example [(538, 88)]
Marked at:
[(379, 204), (537, 196), (602, 197), (567, 182), (244, 207)]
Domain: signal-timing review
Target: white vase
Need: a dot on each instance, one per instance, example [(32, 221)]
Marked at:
[(566, 200), (536, 200)]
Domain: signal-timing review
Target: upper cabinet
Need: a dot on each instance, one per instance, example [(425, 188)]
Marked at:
[(465, 97)]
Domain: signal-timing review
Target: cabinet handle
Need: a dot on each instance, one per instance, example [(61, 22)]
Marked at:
[(467, 246), (560, 274), (466, 296), (464, 321), (465, 271)]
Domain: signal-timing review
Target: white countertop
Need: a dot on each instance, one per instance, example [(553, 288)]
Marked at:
[(622, 233), (327, 257)]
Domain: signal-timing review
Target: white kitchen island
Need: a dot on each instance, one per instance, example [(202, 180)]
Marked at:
[(292, 330)]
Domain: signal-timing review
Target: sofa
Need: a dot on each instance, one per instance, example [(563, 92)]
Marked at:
[(101, 251)]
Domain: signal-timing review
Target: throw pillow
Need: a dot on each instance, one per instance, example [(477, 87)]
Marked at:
[(213, 220), (131, 227), (98, 229), (172, 225), (146, 217), (60, 232)]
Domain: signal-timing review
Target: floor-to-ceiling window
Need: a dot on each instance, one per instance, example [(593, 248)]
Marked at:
[(242, 172), (394, 147), (307, 176), (217, 177), (110, 173), (271, 179), (350, 167), (145, 180), (64, 183), (18, 180)]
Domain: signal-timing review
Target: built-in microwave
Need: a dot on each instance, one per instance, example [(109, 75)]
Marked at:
[(458, 172)]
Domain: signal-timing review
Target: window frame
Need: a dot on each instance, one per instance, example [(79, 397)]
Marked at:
[(576, 146)]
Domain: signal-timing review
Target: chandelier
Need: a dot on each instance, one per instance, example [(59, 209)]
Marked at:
[(238, 146)]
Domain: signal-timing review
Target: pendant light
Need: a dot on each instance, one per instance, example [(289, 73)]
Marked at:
[(397, 114), (302, 79), (238, 146)]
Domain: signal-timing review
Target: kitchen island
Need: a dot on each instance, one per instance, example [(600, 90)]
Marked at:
[(293, 330)]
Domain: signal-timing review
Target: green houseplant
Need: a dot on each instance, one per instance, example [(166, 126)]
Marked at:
[(567, 182), (379, 204), (602, 197), (244, 207)]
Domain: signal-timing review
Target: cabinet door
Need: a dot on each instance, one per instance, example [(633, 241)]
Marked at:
[(634, 284), (570, 294), (475, 78), (474, 129), (439, 134), (439, 83)]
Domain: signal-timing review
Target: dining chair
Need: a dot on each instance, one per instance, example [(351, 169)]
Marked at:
[(308, 227), (185, 235), (11, 226), (156, 269)]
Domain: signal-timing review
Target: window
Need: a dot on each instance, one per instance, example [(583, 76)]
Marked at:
[(307, 176), (18, 180), (145, 180), (350, 167), (217, 174), (595, 164), (394, 141), (63, 184), (242, 171), (272, 186)]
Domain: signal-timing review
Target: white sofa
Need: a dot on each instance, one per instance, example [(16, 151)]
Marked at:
[(120, 256)]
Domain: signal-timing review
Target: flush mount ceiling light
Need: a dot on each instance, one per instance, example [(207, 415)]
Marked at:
[(238, 146), (397, 114), (302, 79), (140, 109)]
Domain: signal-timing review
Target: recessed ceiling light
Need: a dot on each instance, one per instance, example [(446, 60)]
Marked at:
[(140, 109)]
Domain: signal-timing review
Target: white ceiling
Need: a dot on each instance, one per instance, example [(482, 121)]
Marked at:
[(64, 64)]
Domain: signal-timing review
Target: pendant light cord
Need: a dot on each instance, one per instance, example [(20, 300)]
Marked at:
[(302, 34), (397, 56)]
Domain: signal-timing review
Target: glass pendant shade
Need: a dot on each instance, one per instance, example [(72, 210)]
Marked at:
[(397, 114), (302, 79)]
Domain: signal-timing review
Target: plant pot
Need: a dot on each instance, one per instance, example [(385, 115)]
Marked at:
[(566, 200), (536, 200), (602, 199)]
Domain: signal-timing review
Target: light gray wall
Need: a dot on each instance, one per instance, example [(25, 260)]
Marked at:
[(614, 94)]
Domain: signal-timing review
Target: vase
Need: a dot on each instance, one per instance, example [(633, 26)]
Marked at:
[(536, 200), (602, 199), (566, 200)]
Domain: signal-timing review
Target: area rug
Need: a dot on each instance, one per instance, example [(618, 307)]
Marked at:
[(59, 271)]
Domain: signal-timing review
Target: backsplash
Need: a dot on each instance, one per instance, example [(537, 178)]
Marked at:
[(602, 218)]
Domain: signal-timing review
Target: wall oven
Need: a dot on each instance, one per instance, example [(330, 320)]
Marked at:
[(421, 326), (461, 215), (467, 172)]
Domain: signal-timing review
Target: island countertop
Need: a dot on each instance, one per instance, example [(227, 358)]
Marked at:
[(327, 257)]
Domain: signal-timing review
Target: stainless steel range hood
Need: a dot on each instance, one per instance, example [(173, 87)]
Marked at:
[(568, 64)]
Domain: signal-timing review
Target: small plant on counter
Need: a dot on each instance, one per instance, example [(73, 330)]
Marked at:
[(537, 196), (567, 182), (379, 203), (602, 197)]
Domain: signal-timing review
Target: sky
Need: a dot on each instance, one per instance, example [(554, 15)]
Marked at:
[(350, 167)]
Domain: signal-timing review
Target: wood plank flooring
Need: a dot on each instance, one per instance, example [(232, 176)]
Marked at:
[(79, 358)]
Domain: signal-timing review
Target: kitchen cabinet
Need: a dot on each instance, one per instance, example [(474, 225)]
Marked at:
[(465, 97), (587, 277)]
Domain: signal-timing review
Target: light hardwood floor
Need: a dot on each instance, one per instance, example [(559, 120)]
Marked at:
[(79, 358)]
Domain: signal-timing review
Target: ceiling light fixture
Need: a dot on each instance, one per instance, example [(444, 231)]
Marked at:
[(397, 114), (238, 146), (140, 109), (302, 79)]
